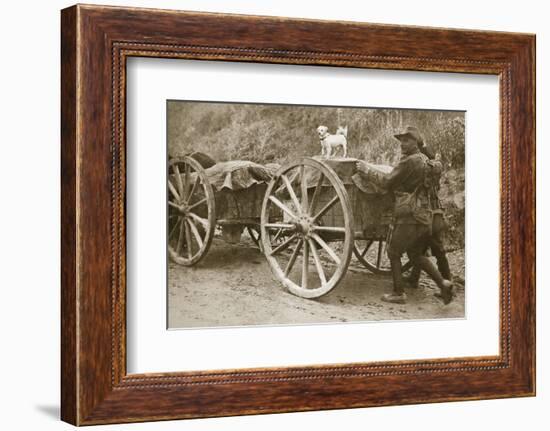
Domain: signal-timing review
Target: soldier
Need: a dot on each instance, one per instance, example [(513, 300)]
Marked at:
[(439, 225), (412, 216)]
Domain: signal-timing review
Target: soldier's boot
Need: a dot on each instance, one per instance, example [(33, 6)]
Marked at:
[(413, 278), (442, 263), (445, 286), (443, 266), (398, 295)]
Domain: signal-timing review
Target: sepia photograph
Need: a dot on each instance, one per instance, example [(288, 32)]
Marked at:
[(300, 214)]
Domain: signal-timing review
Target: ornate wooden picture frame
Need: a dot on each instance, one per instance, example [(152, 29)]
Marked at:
[(95, 43)]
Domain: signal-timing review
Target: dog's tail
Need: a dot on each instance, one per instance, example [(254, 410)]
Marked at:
[(343, 130)]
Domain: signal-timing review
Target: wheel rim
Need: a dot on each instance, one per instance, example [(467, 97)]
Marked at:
[(305, 261), (372, 253), (191, 211)]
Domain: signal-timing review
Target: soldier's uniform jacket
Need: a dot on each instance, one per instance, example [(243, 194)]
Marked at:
[(408, 174), (409, 177)]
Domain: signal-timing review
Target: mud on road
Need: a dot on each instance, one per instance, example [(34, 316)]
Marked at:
[(233, 286)]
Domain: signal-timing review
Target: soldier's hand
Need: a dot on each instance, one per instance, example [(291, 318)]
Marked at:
[(362, 167)]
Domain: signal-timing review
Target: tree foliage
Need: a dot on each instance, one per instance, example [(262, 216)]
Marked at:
[(280, 133)]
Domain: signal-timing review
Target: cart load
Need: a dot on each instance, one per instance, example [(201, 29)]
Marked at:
[(239, 188)]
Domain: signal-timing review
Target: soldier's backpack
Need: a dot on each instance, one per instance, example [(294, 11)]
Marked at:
[(432, 181)]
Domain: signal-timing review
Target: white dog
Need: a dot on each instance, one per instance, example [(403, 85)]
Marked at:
[(333, 142)]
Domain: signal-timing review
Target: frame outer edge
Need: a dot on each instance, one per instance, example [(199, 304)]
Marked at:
[(526, 162), (69, 194), (523, 215), (533, 54), (88, 397)]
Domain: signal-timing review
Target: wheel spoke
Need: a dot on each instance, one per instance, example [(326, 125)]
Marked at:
[(317, 261), (180, 237), (199, 219), (293, 257), (282, 206), (178, 180), (195, 232), (284, 245), (173, 205), (254, 234), (364, 252), (195, 184), (175, 227), (407, 266), (187, 179), (303, 183), (277, 235), (379, 257), (188, 241), (279, 226), (335, 229), (173, 190), (196, 204), (305, 265), (316, 194), (291, 193), (327, 207), (326, 247)]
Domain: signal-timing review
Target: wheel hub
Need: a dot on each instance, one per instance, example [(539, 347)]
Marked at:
[(304, 225), (184, 210)]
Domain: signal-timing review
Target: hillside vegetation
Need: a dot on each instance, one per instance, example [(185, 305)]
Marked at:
[(280, 133)]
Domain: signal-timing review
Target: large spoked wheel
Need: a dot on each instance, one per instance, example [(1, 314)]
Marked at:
[(191, 211), (372, 254), (307, 250)]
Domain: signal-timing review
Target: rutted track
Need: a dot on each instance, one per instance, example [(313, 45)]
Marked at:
[(233, 286)]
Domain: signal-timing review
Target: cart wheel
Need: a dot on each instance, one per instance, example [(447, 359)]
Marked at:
[(323, 249), (191, 211), (372, 255)]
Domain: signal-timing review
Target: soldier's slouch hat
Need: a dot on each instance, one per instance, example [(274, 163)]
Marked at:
[(413, 132)]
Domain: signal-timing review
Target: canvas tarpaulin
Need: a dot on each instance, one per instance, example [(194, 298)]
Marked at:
[(239, 174)]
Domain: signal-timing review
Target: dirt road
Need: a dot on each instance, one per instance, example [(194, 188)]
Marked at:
[(233, 286)]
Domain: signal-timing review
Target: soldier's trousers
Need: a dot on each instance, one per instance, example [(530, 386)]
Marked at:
[(412, 239), (437, 247), (408, 238)]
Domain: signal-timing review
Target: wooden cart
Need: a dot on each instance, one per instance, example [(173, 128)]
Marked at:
[(308, 219)]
